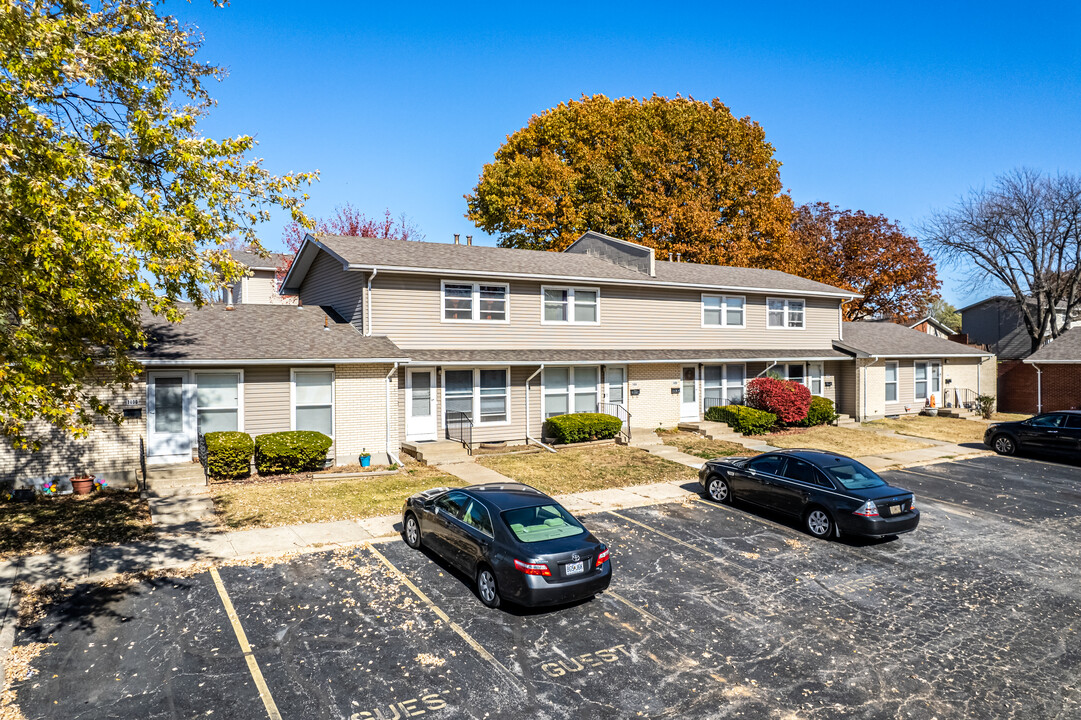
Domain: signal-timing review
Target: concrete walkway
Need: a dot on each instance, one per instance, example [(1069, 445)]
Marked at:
[(472, 473), (182, 510)]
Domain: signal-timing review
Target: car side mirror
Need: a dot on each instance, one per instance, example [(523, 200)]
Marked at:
[(752, 471)]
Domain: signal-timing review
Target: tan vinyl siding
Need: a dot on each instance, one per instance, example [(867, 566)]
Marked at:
[(266, 400), (327, 284), (848, 391), (408, 308), (262, 287)]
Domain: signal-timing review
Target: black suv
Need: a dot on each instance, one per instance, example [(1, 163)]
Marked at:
[(1054, 432)]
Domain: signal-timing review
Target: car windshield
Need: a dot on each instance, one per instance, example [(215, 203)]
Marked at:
[(852, 475), (543, 522)]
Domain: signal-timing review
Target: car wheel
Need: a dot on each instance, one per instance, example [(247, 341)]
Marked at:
[(486, 587), (412, 531), (818, 522), (1004, 445), (718, 490)]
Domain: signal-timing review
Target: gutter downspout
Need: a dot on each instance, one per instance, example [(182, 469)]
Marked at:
[(390, 456), (368, 306), (768, 368), (528, 436), (1039, 388)]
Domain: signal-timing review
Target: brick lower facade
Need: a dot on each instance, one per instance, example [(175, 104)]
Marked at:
[(360, 412), (1059, 387)]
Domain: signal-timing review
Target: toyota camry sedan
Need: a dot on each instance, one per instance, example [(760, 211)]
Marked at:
[(829, 493), (515, 542)]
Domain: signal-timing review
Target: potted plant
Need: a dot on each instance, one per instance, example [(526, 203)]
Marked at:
[(930, 409), (82, 484), (365, 459)]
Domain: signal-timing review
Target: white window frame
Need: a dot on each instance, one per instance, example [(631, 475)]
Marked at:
[(570, 289), (725, 386), (475, 302), (788, 373), (293, 372), (570, 392), (896, 382), (239, 395), (809, 378), (787, 313), (476, 395), (624, 386), (724, 310), (931, 390)]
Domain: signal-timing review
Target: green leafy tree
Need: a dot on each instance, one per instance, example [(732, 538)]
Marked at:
[(112, 200), (678, 175), (946, 314)]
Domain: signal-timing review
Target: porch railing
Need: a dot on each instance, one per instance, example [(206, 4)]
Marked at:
[(959, 398), (460, 429), (617, 410)]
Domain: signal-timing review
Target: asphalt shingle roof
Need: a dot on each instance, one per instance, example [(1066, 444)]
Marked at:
[(253, 332), (251, 259), (447, 256), (889, 339), (1065, 348)]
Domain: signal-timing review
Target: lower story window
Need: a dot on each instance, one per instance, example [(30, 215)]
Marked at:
[(723, 385), (891, 382), (570, 389), (482, 395), (313, 401), (217, 401)]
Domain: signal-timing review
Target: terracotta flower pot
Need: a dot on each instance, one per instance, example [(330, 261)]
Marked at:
[(83, 485)]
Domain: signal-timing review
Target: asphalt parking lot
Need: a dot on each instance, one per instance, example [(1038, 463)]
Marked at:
[(713, 612)]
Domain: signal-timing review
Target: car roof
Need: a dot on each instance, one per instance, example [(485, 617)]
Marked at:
[(813, 456), (508, 496)]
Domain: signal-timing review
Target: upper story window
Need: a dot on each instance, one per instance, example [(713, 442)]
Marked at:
[(784, 313), (570, 305), (723, 311), (474, 302)]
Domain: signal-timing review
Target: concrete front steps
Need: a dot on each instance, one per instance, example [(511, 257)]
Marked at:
[(721, 431), (845, 421), (171, 477), (958, 412), (641, 438), (437, 452)]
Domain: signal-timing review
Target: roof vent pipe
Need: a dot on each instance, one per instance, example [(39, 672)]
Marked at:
[(669, 257), (679, 257), (455, 238), (229, 297), (468, 239)]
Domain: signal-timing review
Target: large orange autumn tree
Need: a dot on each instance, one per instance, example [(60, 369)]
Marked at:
[(868, 254), (678, 175)]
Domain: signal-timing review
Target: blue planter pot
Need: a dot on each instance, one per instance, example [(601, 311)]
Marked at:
[(366, 461)]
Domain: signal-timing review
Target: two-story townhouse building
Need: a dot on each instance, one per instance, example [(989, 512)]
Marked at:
[(396, 343), (260, 284)]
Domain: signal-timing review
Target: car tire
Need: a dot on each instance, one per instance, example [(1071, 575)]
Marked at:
[(487, 590), (411, 531), (1003, 444), (718, 490), (818, 522)]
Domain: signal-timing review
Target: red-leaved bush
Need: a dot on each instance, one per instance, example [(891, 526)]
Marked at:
[(786, 399)]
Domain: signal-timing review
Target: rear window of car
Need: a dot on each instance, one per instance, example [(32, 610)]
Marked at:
[(852, 475), (540, 523)]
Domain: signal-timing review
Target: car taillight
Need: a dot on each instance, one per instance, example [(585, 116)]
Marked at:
[(868, 509), (532, 568), (602, 558)]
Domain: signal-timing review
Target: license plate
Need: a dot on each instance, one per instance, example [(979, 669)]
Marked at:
[(895, 509), (574, 568)]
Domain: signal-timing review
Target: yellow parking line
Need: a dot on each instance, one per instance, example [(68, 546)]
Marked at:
[(632, 606), (443, 616), (242, 638)]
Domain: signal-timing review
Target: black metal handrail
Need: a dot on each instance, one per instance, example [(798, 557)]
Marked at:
[(460, 429), (960, 398), (617, 410)]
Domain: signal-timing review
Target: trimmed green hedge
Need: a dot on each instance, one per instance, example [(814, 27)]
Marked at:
[(579, 427), (745, 420), (290, 452), (228, 454), (821, 412)]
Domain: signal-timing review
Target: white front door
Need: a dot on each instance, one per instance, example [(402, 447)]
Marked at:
[(616, 376), (168, 437), (688, 394), (420, 416)]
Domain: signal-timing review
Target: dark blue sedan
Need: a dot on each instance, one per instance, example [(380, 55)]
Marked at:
[(514, 541), (829, 493)]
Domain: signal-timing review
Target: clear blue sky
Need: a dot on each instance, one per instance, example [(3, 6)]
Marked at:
[(891, 110)]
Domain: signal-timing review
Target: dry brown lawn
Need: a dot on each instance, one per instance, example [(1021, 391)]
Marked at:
[(589, 468), (953, 430), (695, 444), (269, 504), (847, 441), (73, 522), (1009, 417)]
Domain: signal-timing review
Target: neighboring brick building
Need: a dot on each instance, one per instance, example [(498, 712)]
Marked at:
[(1052, 375)]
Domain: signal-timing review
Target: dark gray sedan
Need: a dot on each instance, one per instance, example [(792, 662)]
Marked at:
[(830, 493), (514, 541)]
